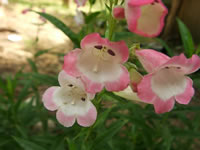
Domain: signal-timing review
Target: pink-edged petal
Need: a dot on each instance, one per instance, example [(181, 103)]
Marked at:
[(186, 96), (91, 40), (187, 66), (151, 59), (80, 2), (48, 98), (65, 80), (163, 106), (139, 2), (65, 119), (120, 48), (89, 118), (91, 86), (144, 89), (121, 83), (70, 61), (118, 12), (146, 20)]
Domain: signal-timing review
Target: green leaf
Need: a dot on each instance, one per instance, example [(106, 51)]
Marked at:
[(41, 52), (92, 2), (91, 17), (106, 135), (33, 65), (186, 38), (71, 144), (60, 25), (28, 145), (168, 49)]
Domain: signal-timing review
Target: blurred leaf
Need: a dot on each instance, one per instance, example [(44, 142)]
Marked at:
[(91, 17), (71, 144), (28, 145), (33, 65), (168, 49), (198, 50), (92, 2), (41, 52), (107, 134), (186, 38), (60, 25)]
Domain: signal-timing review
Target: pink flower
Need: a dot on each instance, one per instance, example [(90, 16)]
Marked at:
[(118, 12), (167, 80), (80, 2), (71, 102), (99, 63), (144, 17)]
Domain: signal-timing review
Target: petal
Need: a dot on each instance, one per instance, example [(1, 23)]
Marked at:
[(121, 83), (118, 12), (65, 79), (48, 97), (70, 61), (91, 86), (151, 59), (96, 72), (91, 40), (120, 48), (163, 106), (188, 65), (65, 119), (144, 88), (186, 96), (146, 20), (88, 118)]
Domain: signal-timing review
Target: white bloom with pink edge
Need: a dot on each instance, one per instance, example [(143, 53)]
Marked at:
[(71, 102), (99, 63), (167, 80)]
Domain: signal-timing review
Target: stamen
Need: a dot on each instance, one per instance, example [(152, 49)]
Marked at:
[(111, 52), (82, 98), (166, 67), (95, 69), (99, 47), (178, 67)]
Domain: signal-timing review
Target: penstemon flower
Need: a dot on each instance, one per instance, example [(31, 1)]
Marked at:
[(71, 102), (167, 80), (99, 63), (144, 17)]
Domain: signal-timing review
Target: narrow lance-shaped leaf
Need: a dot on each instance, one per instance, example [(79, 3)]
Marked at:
[(60, 25), (186, 38)]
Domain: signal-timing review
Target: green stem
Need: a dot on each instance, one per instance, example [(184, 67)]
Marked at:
[(111, 24)]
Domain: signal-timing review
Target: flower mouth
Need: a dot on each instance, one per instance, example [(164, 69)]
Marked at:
[(103, 53), (168, 82), (71, 94)]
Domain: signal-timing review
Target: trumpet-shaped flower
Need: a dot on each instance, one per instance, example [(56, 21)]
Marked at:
[(99, 63), (71, 102), (144, 17), (167, 80)]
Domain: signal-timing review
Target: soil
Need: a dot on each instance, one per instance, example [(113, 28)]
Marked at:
[(14, 55)]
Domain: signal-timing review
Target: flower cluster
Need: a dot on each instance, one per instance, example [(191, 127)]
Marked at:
[(99, 63)]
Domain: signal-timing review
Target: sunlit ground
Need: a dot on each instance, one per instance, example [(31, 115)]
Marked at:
[(22, 35)]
